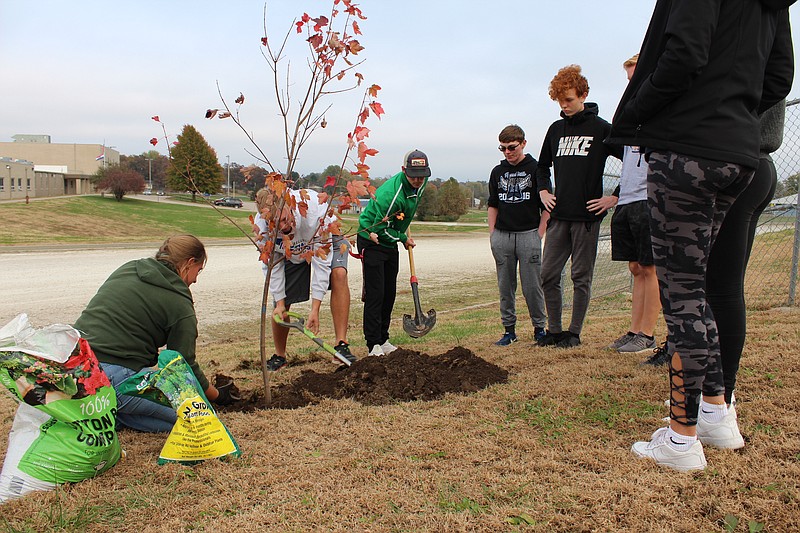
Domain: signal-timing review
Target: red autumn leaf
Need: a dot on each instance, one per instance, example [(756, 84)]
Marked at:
[(287, 246), (315, 40), (240, 100), (357, 188), (303, 208), (330, 181), (279, 187), (263, 41), (362, 170), (224, 115), (321, 252), (361, 132), (290, 200), (211, 113), (174, 143), (299, 27), (304, 194), (340, 75), (354, 47), (156, 118), (353, 10), (360, 77), (322, 198), (356, 29), (344, 204), (373, 90), (154, 141), (320, 22), (364, 151), (377, 109), (305, 17), (252, 220), (364, 115), (350, 142)]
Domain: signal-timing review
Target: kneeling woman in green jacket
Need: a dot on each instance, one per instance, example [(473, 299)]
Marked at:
[(144, 305)]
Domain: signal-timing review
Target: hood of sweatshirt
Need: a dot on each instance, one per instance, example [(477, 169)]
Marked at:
[(589, 109), (155, 273), (528, 159), (778, 4)]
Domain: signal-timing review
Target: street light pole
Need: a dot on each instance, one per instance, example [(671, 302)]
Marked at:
[(229, 174), (150, 172)]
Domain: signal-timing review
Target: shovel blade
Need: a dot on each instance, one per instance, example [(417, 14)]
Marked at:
[(419, 326)]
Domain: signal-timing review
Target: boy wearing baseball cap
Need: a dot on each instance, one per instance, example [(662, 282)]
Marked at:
[(382, 225)]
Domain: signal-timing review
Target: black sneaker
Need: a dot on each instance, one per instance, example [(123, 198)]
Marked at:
[(549, 339), (343, 349), (659, 357), (276, 362), (568, 340), (538, 333)]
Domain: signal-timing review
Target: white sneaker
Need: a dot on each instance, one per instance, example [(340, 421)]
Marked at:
[(723, 434), (388, 347), (377, 350), (661, 451)]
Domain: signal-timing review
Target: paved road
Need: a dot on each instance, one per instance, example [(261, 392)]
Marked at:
[(53, 286)]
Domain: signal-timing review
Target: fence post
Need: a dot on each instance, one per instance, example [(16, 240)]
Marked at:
[(795, 253)]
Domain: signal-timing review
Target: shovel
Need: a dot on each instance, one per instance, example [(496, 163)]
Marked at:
[(299, 324), (421, 324)]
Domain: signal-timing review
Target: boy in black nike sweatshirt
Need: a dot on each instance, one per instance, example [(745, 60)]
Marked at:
[(574, 147)]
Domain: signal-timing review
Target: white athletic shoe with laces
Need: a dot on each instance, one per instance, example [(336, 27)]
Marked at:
[(723, 434), (664, 454), (388, 347), (376, 351)]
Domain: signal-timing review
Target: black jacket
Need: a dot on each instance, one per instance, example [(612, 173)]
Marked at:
[(700, 81), (512, 190), (574, 147)]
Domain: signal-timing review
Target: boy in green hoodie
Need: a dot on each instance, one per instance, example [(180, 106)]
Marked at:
[(382, 225)]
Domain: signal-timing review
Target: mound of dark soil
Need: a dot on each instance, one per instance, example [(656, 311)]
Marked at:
[(403, 375)]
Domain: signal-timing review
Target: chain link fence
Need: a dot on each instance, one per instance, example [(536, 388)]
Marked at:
[(772, 273)]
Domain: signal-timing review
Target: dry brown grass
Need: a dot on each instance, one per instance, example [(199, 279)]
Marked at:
[(550, 446)]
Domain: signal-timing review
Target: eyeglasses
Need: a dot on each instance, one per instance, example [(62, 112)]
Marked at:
[(510, 147)]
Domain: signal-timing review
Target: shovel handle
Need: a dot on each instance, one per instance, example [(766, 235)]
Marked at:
[(411, 262)]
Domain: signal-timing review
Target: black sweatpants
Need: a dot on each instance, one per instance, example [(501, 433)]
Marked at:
[(380, 265), (727, 265)]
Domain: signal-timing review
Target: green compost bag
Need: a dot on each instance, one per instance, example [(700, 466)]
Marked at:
[(64, 428), (198, 433)]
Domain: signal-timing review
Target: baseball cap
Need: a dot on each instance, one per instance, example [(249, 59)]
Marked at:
[(416, 165)]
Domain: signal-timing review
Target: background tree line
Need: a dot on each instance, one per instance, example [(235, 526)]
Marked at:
[(194, 162)]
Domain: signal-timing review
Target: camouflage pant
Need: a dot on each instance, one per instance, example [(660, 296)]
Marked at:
[(688, 199)]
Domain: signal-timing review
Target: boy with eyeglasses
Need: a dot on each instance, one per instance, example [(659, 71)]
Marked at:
[(517, 221), (574, 148)]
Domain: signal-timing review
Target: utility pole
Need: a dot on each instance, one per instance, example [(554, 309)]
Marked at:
[(150, 172), (229, 175)]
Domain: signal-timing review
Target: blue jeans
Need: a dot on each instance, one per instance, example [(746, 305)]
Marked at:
[(138, 413)]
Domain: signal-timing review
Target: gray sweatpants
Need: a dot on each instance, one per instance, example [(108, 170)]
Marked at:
[(565, 239), (510, 249)]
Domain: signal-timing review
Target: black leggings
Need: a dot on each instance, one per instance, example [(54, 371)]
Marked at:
[(727, 264)]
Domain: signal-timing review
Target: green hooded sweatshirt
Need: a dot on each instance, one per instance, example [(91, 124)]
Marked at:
[(141, 307), (395, 196)]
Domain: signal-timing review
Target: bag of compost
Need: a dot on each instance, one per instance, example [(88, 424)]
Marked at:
[(198, 433), (64, 428)]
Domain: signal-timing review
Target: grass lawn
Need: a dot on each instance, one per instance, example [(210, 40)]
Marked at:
[(546, 451)]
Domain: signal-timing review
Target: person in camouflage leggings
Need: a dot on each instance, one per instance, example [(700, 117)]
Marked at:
[(688, 199)]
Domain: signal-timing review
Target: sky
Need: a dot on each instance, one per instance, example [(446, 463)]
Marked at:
[(452, 74)]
